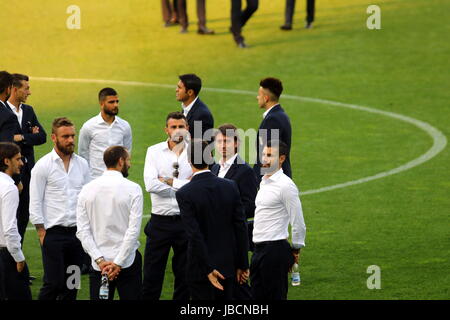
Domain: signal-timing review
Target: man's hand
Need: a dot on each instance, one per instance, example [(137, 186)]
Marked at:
[(213, 277), (20, 266), (296, 254), (168, 181), (242, 275), (41, 233), (35, 130), (18, 137), (103, 265), (20, 187), (113, 271)]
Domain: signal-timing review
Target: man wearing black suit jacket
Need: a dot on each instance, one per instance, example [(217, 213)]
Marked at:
[(214, 220), (195, 111), (232, 166), (28, 133), (7, 118), (275, 125)]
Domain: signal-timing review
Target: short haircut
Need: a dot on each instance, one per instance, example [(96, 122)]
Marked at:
[(282, 147), (112, 155), (7, 151), (18, 78), (191, 81), (6, 80), (106, 92), (175, 115), (229, 130), (197, 156), (274, 86), (61, 122)]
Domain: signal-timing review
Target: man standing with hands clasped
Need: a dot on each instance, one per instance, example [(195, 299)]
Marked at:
[(109, 215)]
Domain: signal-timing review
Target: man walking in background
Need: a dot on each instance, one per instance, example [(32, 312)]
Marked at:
[(239, 18), (289, 14)]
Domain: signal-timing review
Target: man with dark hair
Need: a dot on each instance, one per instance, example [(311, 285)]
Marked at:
[(232, 166), (102, 131), (109, 216), (214, 220), (166, 170), (56, 181), (240, 17), (14, 272), (201, 15), (198, 116), (276, 123), (277, 206), (28, 133), (289, 14), (7, 119)]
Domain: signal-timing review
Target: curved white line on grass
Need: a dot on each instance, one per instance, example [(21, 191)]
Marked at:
[(439, 139)]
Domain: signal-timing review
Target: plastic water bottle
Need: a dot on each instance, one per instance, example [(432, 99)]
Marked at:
[(295, 275), (104, 288)]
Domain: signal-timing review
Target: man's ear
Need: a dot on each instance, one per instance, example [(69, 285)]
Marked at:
[(282, 158), (191, 92)]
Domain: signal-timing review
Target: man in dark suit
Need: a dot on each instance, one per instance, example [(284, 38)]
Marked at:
[(28, 133), (240, 17), (214, 220), (289, 14), (201, 15), (232, 166), (7, 118), (195, 111), (275, 125)]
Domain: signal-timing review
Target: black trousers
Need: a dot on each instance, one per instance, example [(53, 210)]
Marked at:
[(163, 233), (204, 290), (269, 269), (290, 8), (13, 285), (240, 17), (23, 210), (128, 283), (61, 249)]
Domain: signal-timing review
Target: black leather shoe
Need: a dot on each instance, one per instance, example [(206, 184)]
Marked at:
[(286, 27), (205, 30)]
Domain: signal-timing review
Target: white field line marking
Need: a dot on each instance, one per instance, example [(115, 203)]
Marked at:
[(439, 139)]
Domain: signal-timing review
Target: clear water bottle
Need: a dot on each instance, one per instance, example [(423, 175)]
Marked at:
[(104, 288), (295, 275)]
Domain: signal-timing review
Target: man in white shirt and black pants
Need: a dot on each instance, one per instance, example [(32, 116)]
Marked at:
[(109, 216), (14, 273), (277, 206), (56, 181), (166, 170)]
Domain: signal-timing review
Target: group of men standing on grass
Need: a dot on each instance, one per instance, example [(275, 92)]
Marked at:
[(84, 206)]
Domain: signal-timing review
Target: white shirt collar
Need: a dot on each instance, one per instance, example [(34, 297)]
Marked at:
[(229, 162), (6, 176), (188, 108), (200, 172), (101, 120), (55, 155), (268, 110), (112, 173), (274, 177), (13, 107)]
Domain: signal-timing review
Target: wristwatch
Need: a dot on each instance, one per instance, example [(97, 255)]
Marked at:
[(99, 260)]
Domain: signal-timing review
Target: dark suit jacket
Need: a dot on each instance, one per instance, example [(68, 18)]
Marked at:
[(275, 119), (215, 224), (200, 112), (8, 123)]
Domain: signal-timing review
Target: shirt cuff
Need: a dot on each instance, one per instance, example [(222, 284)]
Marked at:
[(18, 256), (297, 245)]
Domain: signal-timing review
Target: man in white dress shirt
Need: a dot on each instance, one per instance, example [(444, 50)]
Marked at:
[(277, 206), (56, 181), (103, 131), (13, 269), (166, 170), (109, 216)]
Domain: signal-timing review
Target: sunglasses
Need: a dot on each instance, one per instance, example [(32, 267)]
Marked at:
[(176, 166)]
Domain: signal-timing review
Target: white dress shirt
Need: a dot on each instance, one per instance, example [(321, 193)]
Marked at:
[(188, 108), (9, 201), (109, 216), (54, 191), (277, 206), (96, 135), (225, 166), (159, 163), (267, 111), (18, 114)]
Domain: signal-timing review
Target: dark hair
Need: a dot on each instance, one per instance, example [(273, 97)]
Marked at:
[(176, 115), (61, 122), (197, 155), (274, 85), (106, 92), (191, 81), (18, 78), (112, 155), (7, 151), (230, 131), (6, 80), (282, 147)]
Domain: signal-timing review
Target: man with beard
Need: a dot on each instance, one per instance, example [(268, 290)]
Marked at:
[(166, 170), (109, 215), (103, 131), (56, 181)]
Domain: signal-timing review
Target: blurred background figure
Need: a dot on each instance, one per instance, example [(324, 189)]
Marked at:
[(169, 12), (201, 15), (240, 17), (289, 14)]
